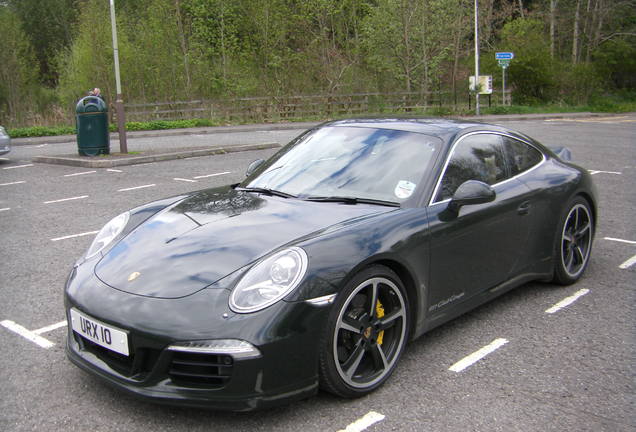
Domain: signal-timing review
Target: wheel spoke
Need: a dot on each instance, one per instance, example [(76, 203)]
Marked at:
[(569, 259), (581, 232), (578, 253), (351, 365), (379, 359), (576, 217), (350, 325), (568, 237), (374, 298), (389, 320)]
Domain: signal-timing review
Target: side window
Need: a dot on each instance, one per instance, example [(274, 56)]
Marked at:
[(476, 157), (521, 156)]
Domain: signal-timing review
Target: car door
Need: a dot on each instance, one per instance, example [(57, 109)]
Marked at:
[(478, 248), (522, 159)]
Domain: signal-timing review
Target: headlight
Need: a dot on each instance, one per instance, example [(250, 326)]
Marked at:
[(107, 234), (269, 281)]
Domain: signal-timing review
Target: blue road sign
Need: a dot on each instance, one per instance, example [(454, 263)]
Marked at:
[(504, 56)]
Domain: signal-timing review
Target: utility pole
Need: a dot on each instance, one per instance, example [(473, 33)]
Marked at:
[(476, 57), (119, 101)]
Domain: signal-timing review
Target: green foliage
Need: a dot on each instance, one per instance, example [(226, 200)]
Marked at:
[(168, 124), (17, 76), (531, 72), (49, 25), (89, 62), (405, 41), (36, 131), (183, 50), (616, 60)]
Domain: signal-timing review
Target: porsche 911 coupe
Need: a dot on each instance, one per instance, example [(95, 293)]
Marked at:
[(317, 269)]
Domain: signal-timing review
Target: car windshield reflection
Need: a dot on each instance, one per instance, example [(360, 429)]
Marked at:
[(352, 162)]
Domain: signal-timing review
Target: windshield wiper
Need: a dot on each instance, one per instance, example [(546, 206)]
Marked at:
[(266, 191), (352, 200)]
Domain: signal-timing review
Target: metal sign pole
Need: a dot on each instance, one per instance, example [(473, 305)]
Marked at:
[(119, 102), (504, 58), (503, 95), (476, 57)]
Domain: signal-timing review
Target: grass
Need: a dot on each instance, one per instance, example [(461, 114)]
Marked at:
[(605, 105)]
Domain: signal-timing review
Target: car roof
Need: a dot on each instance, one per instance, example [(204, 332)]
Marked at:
[(430, 126)]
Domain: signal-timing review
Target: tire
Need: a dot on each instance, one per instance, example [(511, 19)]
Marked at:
[(363, 342), (573, 244)]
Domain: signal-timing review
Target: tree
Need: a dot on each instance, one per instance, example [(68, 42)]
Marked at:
[(531, 70), (88, 62), (408, 40), (17, 75), (49, 25)]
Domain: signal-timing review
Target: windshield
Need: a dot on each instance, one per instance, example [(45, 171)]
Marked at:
[(356, 162)]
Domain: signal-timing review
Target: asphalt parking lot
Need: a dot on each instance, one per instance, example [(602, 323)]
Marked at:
[(539, 358)]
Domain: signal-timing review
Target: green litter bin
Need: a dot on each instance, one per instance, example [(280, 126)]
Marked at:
[(92, 127)]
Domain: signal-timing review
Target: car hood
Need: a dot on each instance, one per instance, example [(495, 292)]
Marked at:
[(194, 243)]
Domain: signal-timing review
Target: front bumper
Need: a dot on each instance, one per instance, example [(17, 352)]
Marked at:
[(286, 334)]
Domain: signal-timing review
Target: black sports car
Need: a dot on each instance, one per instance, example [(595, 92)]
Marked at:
[(318, 268)]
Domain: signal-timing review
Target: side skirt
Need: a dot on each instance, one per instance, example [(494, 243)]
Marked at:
[(438, 318)]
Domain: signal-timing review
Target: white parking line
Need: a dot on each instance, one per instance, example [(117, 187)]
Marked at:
[(114, 170), (594, 172), (627, 264), (136, 187), (185, 180), (79, 173), (18, 166), (478, 355), (362, 423), (567, 301), (620, 240), (211, 175), (12, 183), (5, 209), (74, 235), (27, 334), (66, 199), (50, 328)]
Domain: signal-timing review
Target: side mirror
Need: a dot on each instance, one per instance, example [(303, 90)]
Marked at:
[(471, 192), (252, 167)]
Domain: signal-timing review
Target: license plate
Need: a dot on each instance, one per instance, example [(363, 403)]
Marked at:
[(102, 334)]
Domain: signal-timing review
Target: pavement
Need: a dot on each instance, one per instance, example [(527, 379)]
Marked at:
[(571, 370), (119, 159)]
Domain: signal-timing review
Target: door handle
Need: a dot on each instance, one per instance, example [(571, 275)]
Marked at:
[(524, 208)]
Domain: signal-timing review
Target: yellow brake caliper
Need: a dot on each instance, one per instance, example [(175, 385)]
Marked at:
[(379, 311)]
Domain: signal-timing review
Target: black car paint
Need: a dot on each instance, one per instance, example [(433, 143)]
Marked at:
[(419, 241), (210, 233)]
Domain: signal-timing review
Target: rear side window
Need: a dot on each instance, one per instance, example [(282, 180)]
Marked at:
[(521, 156), (476, 157)]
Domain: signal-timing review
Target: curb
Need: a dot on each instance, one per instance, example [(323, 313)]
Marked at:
[(97, 162)]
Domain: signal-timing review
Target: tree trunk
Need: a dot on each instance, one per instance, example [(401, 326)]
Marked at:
[(575, 34), (553, 6), (184, 49)]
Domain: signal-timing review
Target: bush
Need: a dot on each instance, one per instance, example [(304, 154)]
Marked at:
[(36, 131)]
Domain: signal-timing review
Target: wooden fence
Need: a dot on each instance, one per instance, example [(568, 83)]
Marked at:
[(277, 108)]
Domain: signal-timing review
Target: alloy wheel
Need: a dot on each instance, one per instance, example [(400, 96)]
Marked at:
[(576, 240), (369, 333)]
